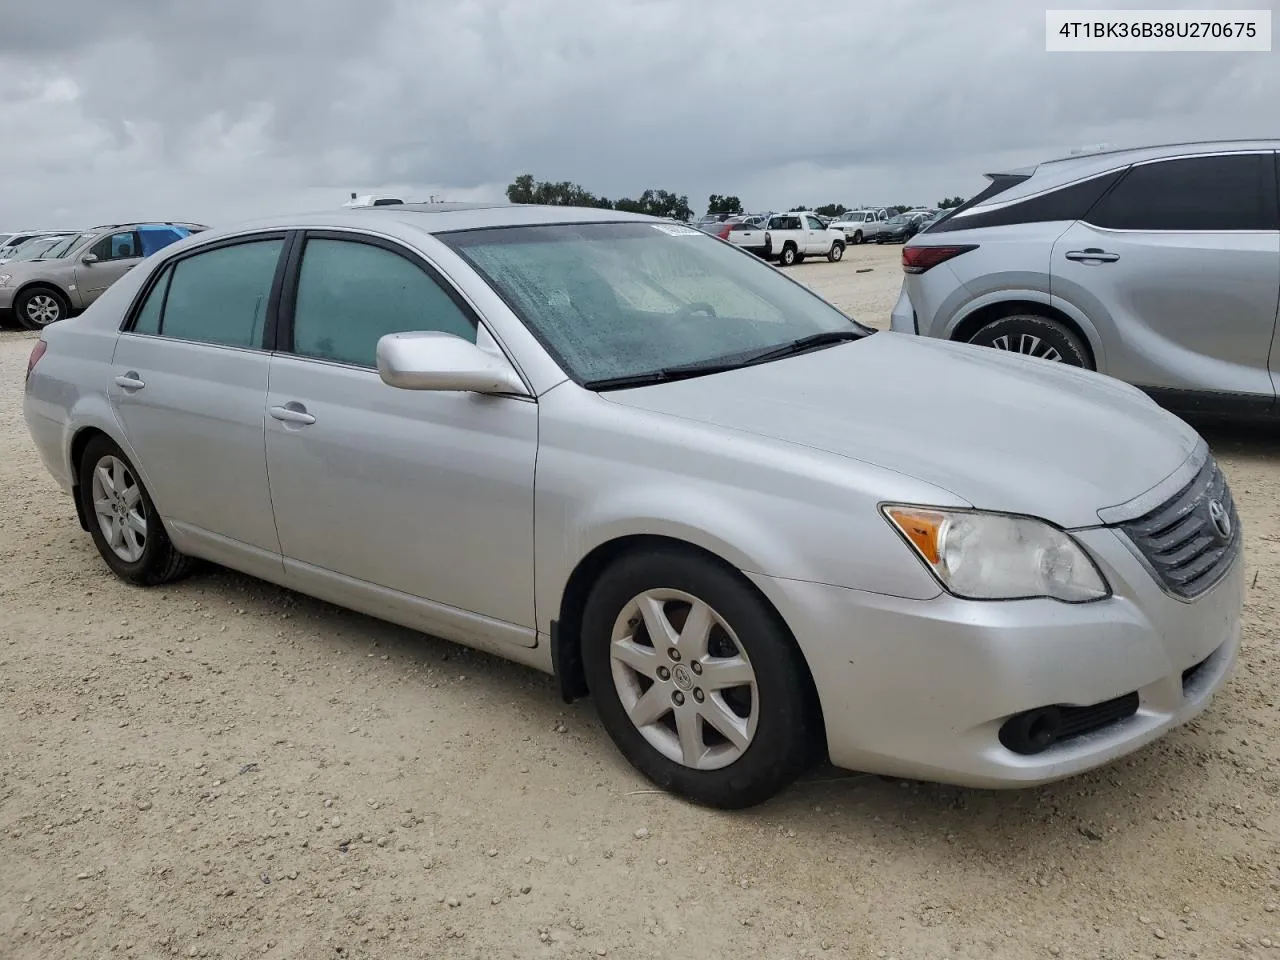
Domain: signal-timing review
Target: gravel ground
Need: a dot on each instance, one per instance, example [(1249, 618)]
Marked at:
[(225, 769)]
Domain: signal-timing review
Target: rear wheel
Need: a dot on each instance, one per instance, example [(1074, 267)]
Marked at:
[(37, 307), (836, 251), (789, 255), (122, 519), (696, 679), (1035, 336)]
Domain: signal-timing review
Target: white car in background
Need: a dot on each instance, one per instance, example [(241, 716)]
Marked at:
[(859, 226), (793, 236)]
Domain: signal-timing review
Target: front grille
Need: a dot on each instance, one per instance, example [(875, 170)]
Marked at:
[(1179, 538)]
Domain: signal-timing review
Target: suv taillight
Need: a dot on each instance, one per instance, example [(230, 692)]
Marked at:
[(920, 259), (36, 353)]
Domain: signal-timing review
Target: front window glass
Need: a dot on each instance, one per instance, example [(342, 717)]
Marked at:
[(623, 299)]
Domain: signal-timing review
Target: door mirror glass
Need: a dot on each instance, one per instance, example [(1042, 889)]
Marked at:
[(443, 361), (89, 259)]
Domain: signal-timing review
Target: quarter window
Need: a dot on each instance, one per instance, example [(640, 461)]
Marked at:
[(220, 296), (352, 294), (1229, 192), (148, 318)]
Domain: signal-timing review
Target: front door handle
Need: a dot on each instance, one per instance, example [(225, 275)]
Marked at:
[(293, 412), (1096, 254), (130, 381)]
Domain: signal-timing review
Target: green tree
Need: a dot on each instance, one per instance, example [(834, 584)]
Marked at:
[(723, 204), (831, 209), (799, 208), (657, 203), (950, 203), (524, 189)]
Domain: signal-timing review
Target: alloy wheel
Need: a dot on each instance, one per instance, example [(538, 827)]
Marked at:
[(684, 680), (1027, 344), (120, 509), (43, 309)]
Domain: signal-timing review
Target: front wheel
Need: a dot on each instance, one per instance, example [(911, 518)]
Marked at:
[(836, 251), (38, 307), (696, 679), (1035, 336), (123, 521)]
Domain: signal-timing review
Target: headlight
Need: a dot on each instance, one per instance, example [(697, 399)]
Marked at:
[(991, 556)]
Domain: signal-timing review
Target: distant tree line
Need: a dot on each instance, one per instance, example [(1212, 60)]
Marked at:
[(659, 203)]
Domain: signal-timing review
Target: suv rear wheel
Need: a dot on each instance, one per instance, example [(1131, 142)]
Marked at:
[(1035, 336)]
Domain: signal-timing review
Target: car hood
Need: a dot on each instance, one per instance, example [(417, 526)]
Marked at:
[(1000, 431)]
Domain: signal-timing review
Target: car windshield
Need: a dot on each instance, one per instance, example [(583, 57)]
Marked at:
[(35, 248), (65, 246), (615, 300)]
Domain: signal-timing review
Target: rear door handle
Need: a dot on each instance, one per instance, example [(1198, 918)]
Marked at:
[(130, 381), (293, 412), (1093, 253)]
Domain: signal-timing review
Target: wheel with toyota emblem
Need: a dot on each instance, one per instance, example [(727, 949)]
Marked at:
[(697, 680), (122, 519)]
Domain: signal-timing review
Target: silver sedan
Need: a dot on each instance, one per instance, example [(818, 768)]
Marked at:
[(626, 453)]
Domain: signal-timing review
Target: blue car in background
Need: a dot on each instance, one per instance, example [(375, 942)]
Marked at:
[(75, 272)]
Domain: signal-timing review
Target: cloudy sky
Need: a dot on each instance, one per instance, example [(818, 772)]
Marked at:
[(215, 110)]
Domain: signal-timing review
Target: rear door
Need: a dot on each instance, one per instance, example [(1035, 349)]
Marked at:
[(189, 385), (1178, 266)]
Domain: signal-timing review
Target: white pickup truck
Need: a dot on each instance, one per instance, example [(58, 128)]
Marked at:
[(859, 226), (793, 236)]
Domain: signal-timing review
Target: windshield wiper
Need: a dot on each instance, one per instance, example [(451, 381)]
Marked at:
[(814, 341), (685, 371)]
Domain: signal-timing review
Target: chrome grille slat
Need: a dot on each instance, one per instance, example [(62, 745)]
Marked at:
[(1178, 538)]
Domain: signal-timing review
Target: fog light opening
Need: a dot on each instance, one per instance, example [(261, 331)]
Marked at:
[(1032, 732)]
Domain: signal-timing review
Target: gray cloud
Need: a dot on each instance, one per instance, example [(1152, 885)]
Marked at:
[(214, 111)]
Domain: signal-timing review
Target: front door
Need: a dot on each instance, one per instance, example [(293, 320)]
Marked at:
[(115, 255), (1178, 266), (189, 386), (816, 238), (424, 493)]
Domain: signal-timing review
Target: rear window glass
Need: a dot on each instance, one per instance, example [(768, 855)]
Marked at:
[(1228, 192)]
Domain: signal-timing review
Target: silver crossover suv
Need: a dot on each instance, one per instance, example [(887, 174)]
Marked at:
[(1158, 266), (617, 450)]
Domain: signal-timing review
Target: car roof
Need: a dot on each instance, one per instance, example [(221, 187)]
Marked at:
[(430, 218), (1058, 172)]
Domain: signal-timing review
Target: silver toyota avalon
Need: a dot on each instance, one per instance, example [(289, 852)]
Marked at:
[(626, 453)]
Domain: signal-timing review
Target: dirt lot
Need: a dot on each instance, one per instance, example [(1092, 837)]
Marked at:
[(224, 769)]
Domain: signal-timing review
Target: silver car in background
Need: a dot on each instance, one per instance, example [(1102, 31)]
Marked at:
[(617, 450), (1159, 266)]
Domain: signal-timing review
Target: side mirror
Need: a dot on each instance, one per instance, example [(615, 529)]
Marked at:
[(442, 361), (89, 259)]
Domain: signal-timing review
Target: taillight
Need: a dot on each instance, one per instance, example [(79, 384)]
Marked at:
[(725, 231), (36, 353), (920, 259)]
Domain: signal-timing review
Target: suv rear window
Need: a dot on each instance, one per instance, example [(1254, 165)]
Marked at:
[(1226, 192), (1071, 202)]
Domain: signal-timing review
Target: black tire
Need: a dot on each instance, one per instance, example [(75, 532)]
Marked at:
[(789, 255), (34, 304), (788, 736), (857, 237), (160, 561), (836, 252), (1033, 335)]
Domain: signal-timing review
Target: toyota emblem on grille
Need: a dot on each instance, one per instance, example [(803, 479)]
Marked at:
[(1220, 519)]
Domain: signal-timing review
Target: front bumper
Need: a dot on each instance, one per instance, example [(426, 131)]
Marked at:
[(920, 689)]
